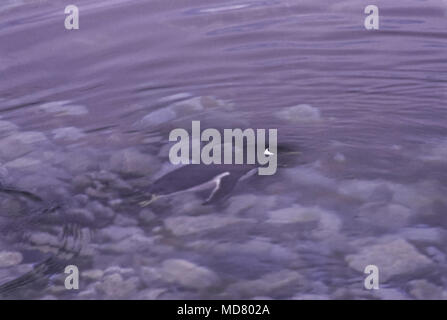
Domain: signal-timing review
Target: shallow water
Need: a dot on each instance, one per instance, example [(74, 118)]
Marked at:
[(84, 123)]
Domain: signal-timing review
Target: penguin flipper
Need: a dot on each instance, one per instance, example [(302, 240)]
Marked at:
[(145, 203), (225, 183)]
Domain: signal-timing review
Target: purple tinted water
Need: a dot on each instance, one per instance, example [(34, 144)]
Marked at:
[(76, 126)]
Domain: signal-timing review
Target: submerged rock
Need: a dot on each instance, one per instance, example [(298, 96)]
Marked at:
[(68, 134), (9, 259), (393, 258), (339, 157), (24, 162), (100, 212), (125, 239), (270, 284), (78, 162), (150, 294), (328, 223), (428, 235), (256, 248), (424, 290), (132, 162), (114, 286), (385, 216), (390, 294), (437, 153), (308, 177), (294, 214), (184, 225), (6, 128), (242, 204), (197, 104), (94, 274), (116, 234), (146, 216), (299, 113), (20, 143), (157, 118), (181, 109), (134, 243), (63, 108), (310, 296), (188, 274)]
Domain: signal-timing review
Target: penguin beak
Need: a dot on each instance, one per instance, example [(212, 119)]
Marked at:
[(292, 152)]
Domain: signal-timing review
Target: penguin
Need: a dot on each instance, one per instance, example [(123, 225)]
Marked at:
[(219, 179)]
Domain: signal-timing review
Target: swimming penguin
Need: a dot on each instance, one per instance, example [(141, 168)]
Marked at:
[(220, 179)]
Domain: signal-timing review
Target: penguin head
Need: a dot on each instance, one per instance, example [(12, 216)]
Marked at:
[(287, 154)]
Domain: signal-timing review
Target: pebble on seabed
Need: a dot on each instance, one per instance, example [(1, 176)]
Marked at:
[(98, 180), (393, 257), (299, 113), (63, 108), (9, 259)]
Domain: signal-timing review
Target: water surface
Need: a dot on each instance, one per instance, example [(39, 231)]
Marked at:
[(84, 123)]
